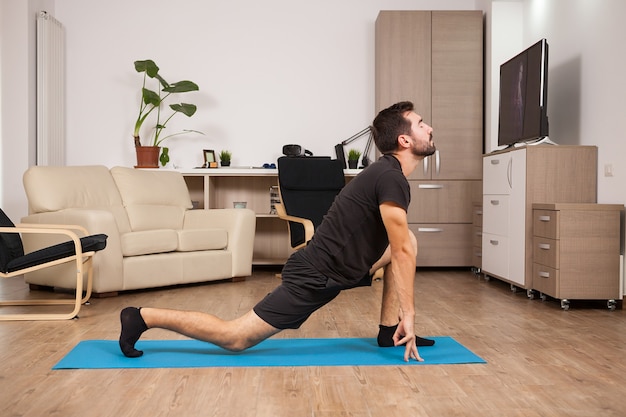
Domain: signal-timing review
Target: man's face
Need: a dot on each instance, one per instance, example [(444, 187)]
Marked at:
[(421, 135)]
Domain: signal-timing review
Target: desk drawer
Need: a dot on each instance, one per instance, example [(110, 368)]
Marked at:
[(546, 251), (545, 279), (546, 223)]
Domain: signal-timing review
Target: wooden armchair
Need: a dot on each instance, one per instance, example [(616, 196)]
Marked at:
[(14, 262)]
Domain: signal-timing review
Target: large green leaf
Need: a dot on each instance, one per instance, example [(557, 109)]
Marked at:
[(185, 108), (181, 87), (148, 66), (150, 97)]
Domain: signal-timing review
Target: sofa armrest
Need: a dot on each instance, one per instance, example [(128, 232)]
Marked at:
[(240, 225), (108, 268)]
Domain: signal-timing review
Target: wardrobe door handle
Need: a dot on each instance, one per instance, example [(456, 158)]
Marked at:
[(430, 186), (544, 274), (494, 242), (544, 246), (544, 218), (429, 229)]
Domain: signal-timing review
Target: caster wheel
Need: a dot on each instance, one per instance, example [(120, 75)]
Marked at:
[(513, 288), (543, 297), (531, 294), (611, 304), (565, 304), (487, 278)]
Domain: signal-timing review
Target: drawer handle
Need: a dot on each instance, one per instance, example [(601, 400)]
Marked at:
[(479, 212), (495, 161), (494, 242), (479, 233), (544, 218), (430, 186), (429, 229), (495, 202), (543, 274), (545, 246)]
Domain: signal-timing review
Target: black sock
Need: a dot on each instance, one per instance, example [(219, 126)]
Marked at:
[(132, 328), (385, 337)]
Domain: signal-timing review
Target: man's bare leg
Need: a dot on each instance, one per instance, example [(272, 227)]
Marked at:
[(235, 335)]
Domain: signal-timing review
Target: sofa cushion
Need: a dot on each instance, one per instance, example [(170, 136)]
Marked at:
[(55, 188), (154, 199), (202, 239), (147, 242), (51, 188)]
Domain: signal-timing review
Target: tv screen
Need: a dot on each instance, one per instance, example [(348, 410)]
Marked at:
[(523, 96)]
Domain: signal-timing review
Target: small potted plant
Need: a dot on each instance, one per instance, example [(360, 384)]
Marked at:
[(225, 158), (353, 158), (152, 100)]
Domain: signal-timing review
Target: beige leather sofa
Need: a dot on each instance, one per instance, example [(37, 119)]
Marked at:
[(154, 238)]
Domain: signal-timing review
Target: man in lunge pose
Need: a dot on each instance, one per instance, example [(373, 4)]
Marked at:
[(365, 229)]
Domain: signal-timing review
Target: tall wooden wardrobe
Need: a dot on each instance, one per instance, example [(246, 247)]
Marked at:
[(435, 60)]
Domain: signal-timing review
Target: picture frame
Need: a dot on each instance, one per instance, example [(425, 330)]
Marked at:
[(209, 158)]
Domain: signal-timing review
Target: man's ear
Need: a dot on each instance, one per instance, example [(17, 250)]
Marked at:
[(404, 141)]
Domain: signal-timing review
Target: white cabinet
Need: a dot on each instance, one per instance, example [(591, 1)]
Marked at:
[(504, 193), (515, 179)]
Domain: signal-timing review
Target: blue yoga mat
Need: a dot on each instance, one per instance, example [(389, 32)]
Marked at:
[(106, 354)]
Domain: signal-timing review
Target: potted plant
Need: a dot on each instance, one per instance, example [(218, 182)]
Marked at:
[(353, 158), (225, 158), (152, 100)]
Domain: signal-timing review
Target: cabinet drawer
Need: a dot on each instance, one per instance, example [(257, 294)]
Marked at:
[(443, 244), (496, 255), (441, 201), (496, 214), (546, 251), (545, 280), (545, 223), (497, 174)]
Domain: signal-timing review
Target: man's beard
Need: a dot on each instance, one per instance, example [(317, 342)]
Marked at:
[(427, 150)]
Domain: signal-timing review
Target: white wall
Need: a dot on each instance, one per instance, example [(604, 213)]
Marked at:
[(282, 71), (270, 73)]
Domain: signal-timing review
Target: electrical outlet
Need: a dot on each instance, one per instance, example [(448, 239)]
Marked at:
[(608, 170)]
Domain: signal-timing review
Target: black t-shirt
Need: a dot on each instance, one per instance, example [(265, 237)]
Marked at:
[(352, 236)]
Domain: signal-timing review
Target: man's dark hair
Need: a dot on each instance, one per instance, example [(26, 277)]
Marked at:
[(389, 124)]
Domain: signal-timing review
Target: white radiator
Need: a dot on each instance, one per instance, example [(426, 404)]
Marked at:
[(50, 90)]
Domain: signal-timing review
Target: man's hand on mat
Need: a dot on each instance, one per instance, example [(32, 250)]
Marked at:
[(404, 335)]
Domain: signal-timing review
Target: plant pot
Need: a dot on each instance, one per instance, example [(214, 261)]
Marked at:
[(353, 163), (225, 163), (147, 156)]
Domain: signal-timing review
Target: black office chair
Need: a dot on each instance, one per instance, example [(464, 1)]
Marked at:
[(308, 186), (14, 262)]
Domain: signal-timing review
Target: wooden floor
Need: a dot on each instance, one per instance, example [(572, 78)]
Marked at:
[(541, 360)]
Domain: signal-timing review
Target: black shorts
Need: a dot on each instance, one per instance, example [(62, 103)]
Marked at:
[(303, 291)]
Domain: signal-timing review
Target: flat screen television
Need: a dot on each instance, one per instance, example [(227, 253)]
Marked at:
[(523, 114)]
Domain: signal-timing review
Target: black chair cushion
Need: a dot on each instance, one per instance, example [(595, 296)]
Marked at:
[(10, 243), (55, 252)]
